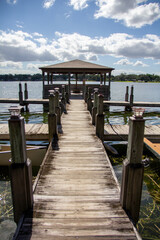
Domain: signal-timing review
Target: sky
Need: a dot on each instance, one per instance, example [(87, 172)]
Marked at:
[(123, 34)]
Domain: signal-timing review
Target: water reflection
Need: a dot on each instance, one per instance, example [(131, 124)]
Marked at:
[(122, 117)]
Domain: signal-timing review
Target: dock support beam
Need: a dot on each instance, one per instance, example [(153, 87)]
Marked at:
[(21, 168), (132, 173), (52, 117), (100, 118)]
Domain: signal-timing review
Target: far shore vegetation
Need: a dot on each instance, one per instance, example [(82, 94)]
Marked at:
[(64, 77)]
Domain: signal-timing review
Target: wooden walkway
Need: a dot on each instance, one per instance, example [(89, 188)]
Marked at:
[(76, 194)]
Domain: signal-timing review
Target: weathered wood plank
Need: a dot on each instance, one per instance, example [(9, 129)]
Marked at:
[(50, 237)]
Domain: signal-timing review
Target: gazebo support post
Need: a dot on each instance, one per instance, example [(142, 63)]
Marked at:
[(104, 79), (43, 78), (101, 78), (51, 78), (76, 79), (48, 77)]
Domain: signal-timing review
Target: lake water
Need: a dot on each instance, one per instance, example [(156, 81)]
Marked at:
[(148, 92)]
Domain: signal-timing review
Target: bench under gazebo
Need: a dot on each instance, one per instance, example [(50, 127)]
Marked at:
[(77, 67)]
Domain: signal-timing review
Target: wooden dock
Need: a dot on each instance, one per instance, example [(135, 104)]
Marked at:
[(120, 132), (76, 194), (108, 103), (37, 132), (27, 101), (153, 147)]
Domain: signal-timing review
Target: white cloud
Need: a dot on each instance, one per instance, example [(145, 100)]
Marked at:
[(126, 62), (48, 3), (32, 66), (140, 64), (127, 71), (42, 41), (12, 1), (132, 12), (37, 34), (157, 62), (10, 64), (19, 26), (19, 46), (79, 4)]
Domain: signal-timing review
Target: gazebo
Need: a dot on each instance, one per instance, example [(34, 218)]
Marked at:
[(76, 67)]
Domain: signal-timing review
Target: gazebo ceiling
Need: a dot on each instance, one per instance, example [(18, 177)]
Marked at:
[(76, 66)]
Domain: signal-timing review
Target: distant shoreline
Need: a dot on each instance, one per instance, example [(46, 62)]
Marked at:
[(78, 81)]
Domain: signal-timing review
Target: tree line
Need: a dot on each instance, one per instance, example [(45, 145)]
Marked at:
[(90, 77)]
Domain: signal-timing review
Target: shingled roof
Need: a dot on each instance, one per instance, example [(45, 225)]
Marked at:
[(76, 66)]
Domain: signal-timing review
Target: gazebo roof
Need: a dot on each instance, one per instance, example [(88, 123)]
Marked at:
[(76, 66)]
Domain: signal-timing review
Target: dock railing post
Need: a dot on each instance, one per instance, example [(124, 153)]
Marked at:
[(86, 94), (20, 95), (52, 117), (21, 167), (67, 93), (127, 108), (132, 173), (83, 90), (100, 118), (57, 107), (94, 109), (89, 100), (127, 94), (63, 100), (26, 96), (131, 97)]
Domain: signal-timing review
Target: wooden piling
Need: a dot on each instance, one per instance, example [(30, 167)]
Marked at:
[(26, 96), (89, 101), (21, 169), (67, 93), (127, 108), (100, 118), (63, 100), (94, 109), (52, 118), (57, 107), (131, 96), (132, 173), (20, 95), (127, 94), (86, 93)]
